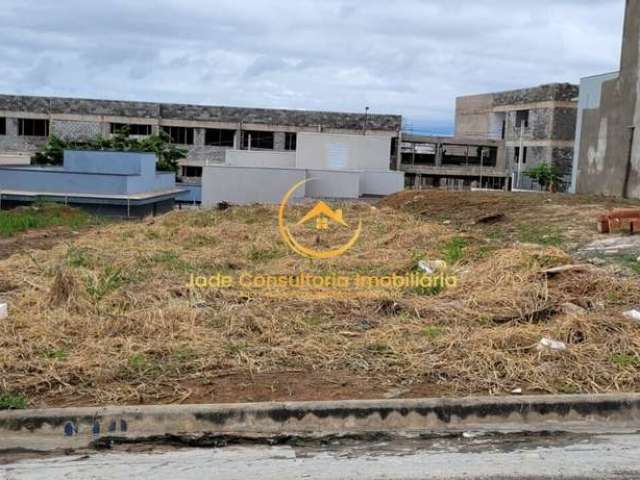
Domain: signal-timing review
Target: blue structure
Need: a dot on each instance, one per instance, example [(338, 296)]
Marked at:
[(112, 183)]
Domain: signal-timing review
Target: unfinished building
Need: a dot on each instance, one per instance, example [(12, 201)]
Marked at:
[(454, 162), (207, 132), (536, 125), (609, 137)]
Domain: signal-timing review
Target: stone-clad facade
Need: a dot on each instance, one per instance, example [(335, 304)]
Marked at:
[(81, 119), (541, 119)]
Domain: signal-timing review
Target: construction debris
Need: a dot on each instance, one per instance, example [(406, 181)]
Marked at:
[(431, 267), (547, 344), (491, 219), (633, 315), (619, 218), (552, 272)]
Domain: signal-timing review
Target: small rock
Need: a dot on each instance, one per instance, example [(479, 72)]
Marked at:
[(472, 434), (4, 311), (396, 393), (572, 309), (447, 222), (633, 315), (548, 344), (516, 391)]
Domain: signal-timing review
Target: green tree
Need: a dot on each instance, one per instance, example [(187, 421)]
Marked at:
[(168, 154), (548, 176)]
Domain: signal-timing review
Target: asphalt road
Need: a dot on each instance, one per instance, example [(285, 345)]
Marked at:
[(548, 457)]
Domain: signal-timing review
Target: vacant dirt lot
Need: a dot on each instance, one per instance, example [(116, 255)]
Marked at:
[(106, 316)]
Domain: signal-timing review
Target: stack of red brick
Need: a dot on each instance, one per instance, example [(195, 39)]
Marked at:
[(618, 219)]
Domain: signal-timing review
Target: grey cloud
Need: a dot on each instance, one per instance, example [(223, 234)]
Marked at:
[(398, 56)]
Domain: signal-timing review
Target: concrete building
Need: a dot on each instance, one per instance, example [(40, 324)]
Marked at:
[(454, 162), (208, 132), (110, 183), (536, 124), (337, 166), (609, 134)]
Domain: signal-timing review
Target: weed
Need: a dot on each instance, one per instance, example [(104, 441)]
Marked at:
[(432, 332), (137, 362), (78, 257), (235, 348), (41, 216), (453, 250), (263, 254), (55, 354), (540, 234), (108, 281), (12, 401), (626, 360)]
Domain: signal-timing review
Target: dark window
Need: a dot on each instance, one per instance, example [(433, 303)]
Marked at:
[(133, 129), (516, 156), (192, 171), (218, 137), (259, 140), (180, 135), (3, 126), (522, 118), (33, 127), (290, 141)]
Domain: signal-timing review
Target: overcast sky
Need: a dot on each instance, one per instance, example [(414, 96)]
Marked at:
[(411, 57)]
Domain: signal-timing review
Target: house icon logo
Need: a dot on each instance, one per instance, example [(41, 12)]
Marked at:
[(323, 217), (323, 214)]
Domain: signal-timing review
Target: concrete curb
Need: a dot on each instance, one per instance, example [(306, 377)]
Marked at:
[(50, 429)]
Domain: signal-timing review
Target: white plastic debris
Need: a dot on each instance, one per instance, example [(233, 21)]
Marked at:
[(4, 311), (516, 391), (549, 344), (432, 266), (633, 315)]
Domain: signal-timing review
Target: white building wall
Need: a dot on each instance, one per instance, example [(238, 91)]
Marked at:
[(14, 159), (260, 158), (333, 184), (381, 183), (322, 151), (244, 185)]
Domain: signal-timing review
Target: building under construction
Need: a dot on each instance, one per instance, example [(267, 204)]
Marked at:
[(453, 162)]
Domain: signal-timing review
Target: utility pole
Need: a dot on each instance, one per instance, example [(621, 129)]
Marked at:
[(366, 120), (520, 155), (481, 164)]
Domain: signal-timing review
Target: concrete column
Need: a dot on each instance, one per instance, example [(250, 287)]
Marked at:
[(198, 136), (279, 140), (399, 152), (439, 155), (237, 138), (12, 127)]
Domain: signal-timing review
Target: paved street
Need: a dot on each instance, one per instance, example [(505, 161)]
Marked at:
[(567, 457)]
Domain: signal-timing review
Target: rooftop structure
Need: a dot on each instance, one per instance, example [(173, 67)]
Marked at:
[(112, 183)]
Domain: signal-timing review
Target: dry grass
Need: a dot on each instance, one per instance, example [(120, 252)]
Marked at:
[(108, 318)]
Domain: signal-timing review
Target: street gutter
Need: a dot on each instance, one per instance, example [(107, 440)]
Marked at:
[(216, 425)]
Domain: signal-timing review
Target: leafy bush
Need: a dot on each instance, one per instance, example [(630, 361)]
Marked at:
[(168, 154), (548, 176)]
